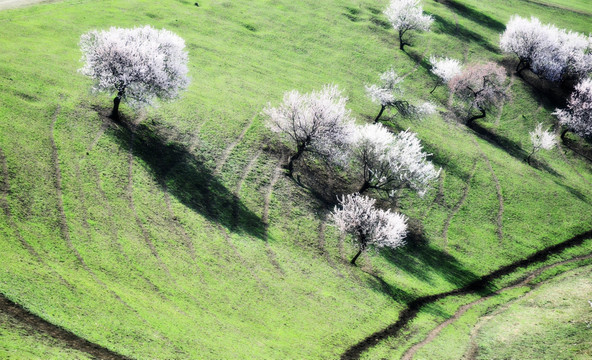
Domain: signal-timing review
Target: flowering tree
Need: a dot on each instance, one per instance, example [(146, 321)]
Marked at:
[(479, 86), (546, 50), (406, 15), (390, 162), (578, 114), (317, 122), (389, 94), (138, 64), (445, 69), (369, 226), (541, 139)]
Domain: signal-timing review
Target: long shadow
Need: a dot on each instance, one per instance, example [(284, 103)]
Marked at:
[(188, 178), (477, 286), (474, 15), (509, 146), (461, 32)]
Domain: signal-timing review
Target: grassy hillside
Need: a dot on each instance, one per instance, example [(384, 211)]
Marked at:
[(177, 236)]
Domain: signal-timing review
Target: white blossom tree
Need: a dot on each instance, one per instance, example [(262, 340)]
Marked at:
[(479, 86), (444, 69), (369, 226), (138, 64), (389, 163), (541, 140), (316, 122), (551, 53), (577, 116), (407, 15), (389, 94)]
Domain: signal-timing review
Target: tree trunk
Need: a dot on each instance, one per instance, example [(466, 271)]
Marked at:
[(435, 86), (115, 112), (379, 113), (364, 187), (293, 158), (563, 135), (529, 156), (475, 117), (401, 42), (353, 261)]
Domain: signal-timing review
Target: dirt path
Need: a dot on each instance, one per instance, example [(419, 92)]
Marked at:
[(66, 338), (500, 197), (458, 205), (463, 309), (413, 307), (265, 217)]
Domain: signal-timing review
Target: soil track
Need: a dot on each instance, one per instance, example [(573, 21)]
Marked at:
[(65, 337), (463, 309), (480, 285)]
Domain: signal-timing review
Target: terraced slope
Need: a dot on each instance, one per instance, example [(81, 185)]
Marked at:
[(175, 234)]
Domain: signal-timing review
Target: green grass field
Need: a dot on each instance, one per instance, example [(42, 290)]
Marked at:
[(177, 236)]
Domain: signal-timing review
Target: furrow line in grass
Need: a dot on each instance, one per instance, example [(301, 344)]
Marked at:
[(4, 191), (408, 355), (323, 250), (500, 198), (417, 63), (220, 163), (186, 238), (241, 259), (104, 126), (413, 307), (439, 198), (130, 196), (63, 336), (458, 205), (559, 7), (63, 224), (265, 216), (507, 91), (564, 157), (115, 240), (237, 190)]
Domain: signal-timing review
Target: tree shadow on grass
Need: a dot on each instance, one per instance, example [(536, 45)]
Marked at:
[(474, 15), (187, 178), (509, 146), (462, 33)]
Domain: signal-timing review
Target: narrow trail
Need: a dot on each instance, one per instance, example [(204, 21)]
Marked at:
[(64, 337), (500, 197), (413, 307), (104, 126), (220, 163), (130, 196), (463, 309), (175, 219), (265, 217), (438, 199), (239, 185), (458, 205), (322, 247)]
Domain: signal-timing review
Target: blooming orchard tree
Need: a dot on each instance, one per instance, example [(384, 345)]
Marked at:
[(479, 86), (389, 94), (138, 64), (578, 114), (369, 226), (317, 122), (390, 162), (406, 15), (550, 52), (445, 69), (541, 139)]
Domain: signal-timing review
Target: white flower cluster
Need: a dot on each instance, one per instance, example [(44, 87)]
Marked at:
[(407, 15), (391, 162), (578, 114), (445, 68), (542, 139), (140, 63), (546, 50), (318, 121), (357, 216)]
